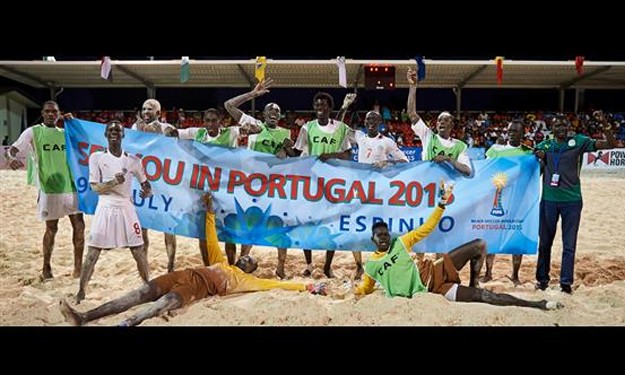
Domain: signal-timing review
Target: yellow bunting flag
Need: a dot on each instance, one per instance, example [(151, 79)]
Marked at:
[(261, 64)]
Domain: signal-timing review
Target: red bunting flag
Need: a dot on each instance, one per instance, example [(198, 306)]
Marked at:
[(579, 65), (499, 61)]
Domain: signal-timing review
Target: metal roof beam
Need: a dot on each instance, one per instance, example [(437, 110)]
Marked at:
[(27, 77), (359, 74), (471, 75), (246, 76), (134, 75), (610, 80), (569, 83)]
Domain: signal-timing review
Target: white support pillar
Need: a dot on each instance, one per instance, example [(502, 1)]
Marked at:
[(579, 99), (458, 92)]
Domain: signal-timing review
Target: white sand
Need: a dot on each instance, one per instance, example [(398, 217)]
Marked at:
[(599, 298)]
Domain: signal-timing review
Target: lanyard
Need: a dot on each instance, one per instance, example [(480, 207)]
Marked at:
[(556, 159)]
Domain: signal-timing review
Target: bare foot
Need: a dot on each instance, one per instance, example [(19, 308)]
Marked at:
[(46, 274), (359, 271), (71, 316), (80, 296), (552, 305), (170, 267), (328, 272), (486, 278), (515, 281), (308, 271), (280, 273)]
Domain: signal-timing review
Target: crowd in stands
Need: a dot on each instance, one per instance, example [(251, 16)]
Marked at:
[(475, 129)]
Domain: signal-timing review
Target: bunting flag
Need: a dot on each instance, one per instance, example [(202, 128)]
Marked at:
[(499, 61), (185, 69), (340, 62), (420, 68), (579, 65), (106, 69), (261, 64)]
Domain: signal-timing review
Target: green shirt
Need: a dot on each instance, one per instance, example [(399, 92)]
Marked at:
[(396, 272), (53, 170), (498, 151), (269, 140), (225, 138), (566, 160), (320, 142), (435, 147)]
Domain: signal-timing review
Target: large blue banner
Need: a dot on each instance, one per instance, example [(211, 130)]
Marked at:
[(304, 203), (412, 153)]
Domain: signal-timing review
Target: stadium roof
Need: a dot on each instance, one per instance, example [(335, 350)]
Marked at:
[(315, 73)]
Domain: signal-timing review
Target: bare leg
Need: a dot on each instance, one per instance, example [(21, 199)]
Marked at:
[(170, 247), (420, 256), (490, 261), (438, 255), (231, 252), (327, 268), (474, 251), (308, 256), (204, 252), (146, 293), (245, 249), (142, 262), (52, 226), (470, 294), (516, 266), (146, 240), (78, 239), (87, 271), (281, 260), (169, 301), (359, 269)]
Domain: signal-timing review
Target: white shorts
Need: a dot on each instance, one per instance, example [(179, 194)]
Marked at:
[(115, 224), (56, 206)]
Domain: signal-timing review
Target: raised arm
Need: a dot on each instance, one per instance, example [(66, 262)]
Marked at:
[(212, 245), (412, 96), (610, 141), (232, 105), (416, 235), (347, 102)]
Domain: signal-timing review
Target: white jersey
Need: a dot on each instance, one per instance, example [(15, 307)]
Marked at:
[(25, 149), (24, 144), (426, 134), (188, 133), (103, 166), (153, 127), (115, 223), (376, 149)]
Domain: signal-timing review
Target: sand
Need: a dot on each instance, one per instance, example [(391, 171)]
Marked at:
[(25, 300)]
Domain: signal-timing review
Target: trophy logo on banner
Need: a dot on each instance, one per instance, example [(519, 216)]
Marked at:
[(499, 180)]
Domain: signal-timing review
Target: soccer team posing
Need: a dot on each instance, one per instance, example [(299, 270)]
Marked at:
[(116, 224)]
